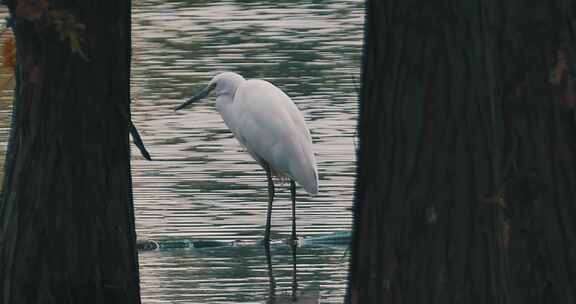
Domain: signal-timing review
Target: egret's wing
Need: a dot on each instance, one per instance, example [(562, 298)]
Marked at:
[(272, 129)]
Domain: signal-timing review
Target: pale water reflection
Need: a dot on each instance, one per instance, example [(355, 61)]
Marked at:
[(241, 275), (204, 186)]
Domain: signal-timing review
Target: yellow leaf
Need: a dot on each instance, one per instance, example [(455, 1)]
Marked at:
[(65, 23)]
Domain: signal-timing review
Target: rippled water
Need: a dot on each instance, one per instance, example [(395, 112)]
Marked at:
[(201, 184), (205, 185)]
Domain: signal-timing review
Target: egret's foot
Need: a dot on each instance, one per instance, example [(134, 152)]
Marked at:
[(292, 241), (266, 241)]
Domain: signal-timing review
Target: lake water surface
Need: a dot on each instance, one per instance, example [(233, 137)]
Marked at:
[(202, 186)]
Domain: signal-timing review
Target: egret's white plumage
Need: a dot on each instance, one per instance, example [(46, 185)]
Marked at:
[(268, 124)]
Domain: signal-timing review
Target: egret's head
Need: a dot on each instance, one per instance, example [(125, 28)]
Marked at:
[(222, 84), (225, 83)]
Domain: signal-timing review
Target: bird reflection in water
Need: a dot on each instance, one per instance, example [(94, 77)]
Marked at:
[(303, 297)]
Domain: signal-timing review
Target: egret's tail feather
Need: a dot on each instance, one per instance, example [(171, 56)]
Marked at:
[(310, 182)]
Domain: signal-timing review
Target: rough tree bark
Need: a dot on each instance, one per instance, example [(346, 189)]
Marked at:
[(467, 157), (66, 213)]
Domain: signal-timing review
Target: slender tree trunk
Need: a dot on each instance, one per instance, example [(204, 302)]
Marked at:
[(66, 214), (467, 159)]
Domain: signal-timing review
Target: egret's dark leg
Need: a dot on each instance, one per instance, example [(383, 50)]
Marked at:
[(293, 194), (270, 200), (294, 273), (271, 280)]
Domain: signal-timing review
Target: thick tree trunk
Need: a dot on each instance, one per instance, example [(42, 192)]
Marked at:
[(66, 215), (467, 157)]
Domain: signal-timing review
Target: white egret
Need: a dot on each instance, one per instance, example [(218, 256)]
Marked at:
[(271, 128)]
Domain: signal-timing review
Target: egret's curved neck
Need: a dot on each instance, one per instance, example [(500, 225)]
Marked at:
[(225, 106), (225, 94), (224, 100)]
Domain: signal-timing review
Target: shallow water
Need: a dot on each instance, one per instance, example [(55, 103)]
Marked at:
[(204, 183), (201, 185)]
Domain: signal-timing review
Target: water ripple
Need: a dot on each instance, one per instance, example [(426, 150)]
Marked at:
[(204, 186)]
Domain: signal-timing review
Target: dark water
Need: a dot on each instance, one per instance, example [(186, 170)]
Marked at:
[(203, 186)]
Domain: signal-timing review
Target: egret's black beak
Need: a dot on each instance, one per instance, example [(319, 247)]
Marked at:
[(198, 96)]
